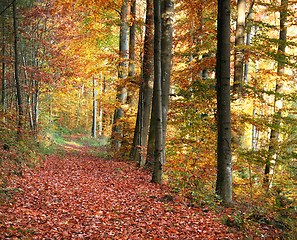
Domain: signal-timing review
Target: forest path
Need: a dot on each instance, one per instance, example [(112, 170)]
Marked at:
[(76, 195)]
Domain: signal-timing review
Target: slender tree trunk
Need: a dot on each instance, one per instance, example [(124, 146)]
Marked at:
[(166, 46), (117, 129), (146, 90), (132, 38), (100, 109), (80, 94), (94, 108), (152, 137), (16, 73), (157, 94), (248, 40), (35, 106), (3, 100), (239, 49), (278, 101), (224, 174)]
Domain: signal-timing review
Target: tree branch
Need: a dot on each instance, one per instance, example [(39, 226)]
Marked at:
[(7, 7)]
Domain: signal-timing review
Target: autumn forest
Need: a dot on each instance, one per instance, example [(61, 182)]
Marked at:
[(148, 119)]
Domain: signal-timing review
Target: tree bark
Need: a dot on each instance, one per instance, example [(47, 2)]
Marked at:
[(166, 46), (248, 40), (131, 67), (3, 99), (239, 49), (146, 90), (224, 163), (117, 129), (16, 73), (157, 95), (100, 124), (94, 125), (278, 101)]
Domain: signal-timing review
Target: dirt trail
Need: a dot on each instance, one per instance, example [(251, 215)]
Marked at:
[(79, 196)]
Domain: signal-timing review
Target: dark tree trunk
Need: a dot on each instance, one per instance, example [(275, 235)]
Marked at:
[(224, 165), (166, 46), (16, 73), (94, 125), (157, 95), (146, 90), (3, 100)]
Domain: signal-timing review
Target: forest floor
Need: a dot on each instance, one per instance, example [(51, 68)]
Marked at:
[(76, 195)]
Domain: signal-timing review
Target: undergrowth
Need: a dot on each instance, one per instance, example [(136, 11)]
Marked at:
[(17, 155), (270, 214)]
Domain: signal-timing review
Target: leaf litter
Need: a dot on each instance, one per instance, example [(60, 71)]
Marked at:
[(79, 196)]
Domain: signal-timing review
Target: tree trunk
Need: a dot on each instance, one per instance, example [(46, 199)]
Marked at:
[(16, 73), (248, 40), (100, 124), (166, 46), (3, 100), (94, 125), (224, 165), (146, 90), (35, 102), (278, 101), (131, 68), (152, 137), (239, 49), (157, 95), (117, 129)]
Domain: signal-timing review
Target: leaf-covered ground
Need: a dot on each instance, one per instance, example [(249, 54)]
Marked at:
[(79, 196)]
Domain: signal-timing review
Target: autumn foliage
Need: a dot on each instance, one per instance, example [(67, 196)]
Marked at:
[(70, 49)]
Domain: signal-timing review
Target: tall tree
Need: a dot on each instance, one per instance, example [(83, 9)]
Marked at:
[(224, 163), (167, 7), (166, 46), (3, 99), (16, 72), (146, 89), (157, 95), (117, 130), (278, 101), (239, 49), (132, 53), (94, 125)]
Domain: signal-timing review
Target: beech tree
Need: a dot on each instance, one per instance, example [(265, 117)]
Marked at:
[(166, 46), (94, 125), (122, 74), (239, 49), (162, 61), (278, 102), (157, 96), (16, 71), (224, 163), (146, 90), (3, 91), (132, 52)]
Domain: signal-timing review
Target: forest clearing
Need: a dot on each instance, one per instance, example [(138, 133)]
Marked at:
[(148, 119)]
